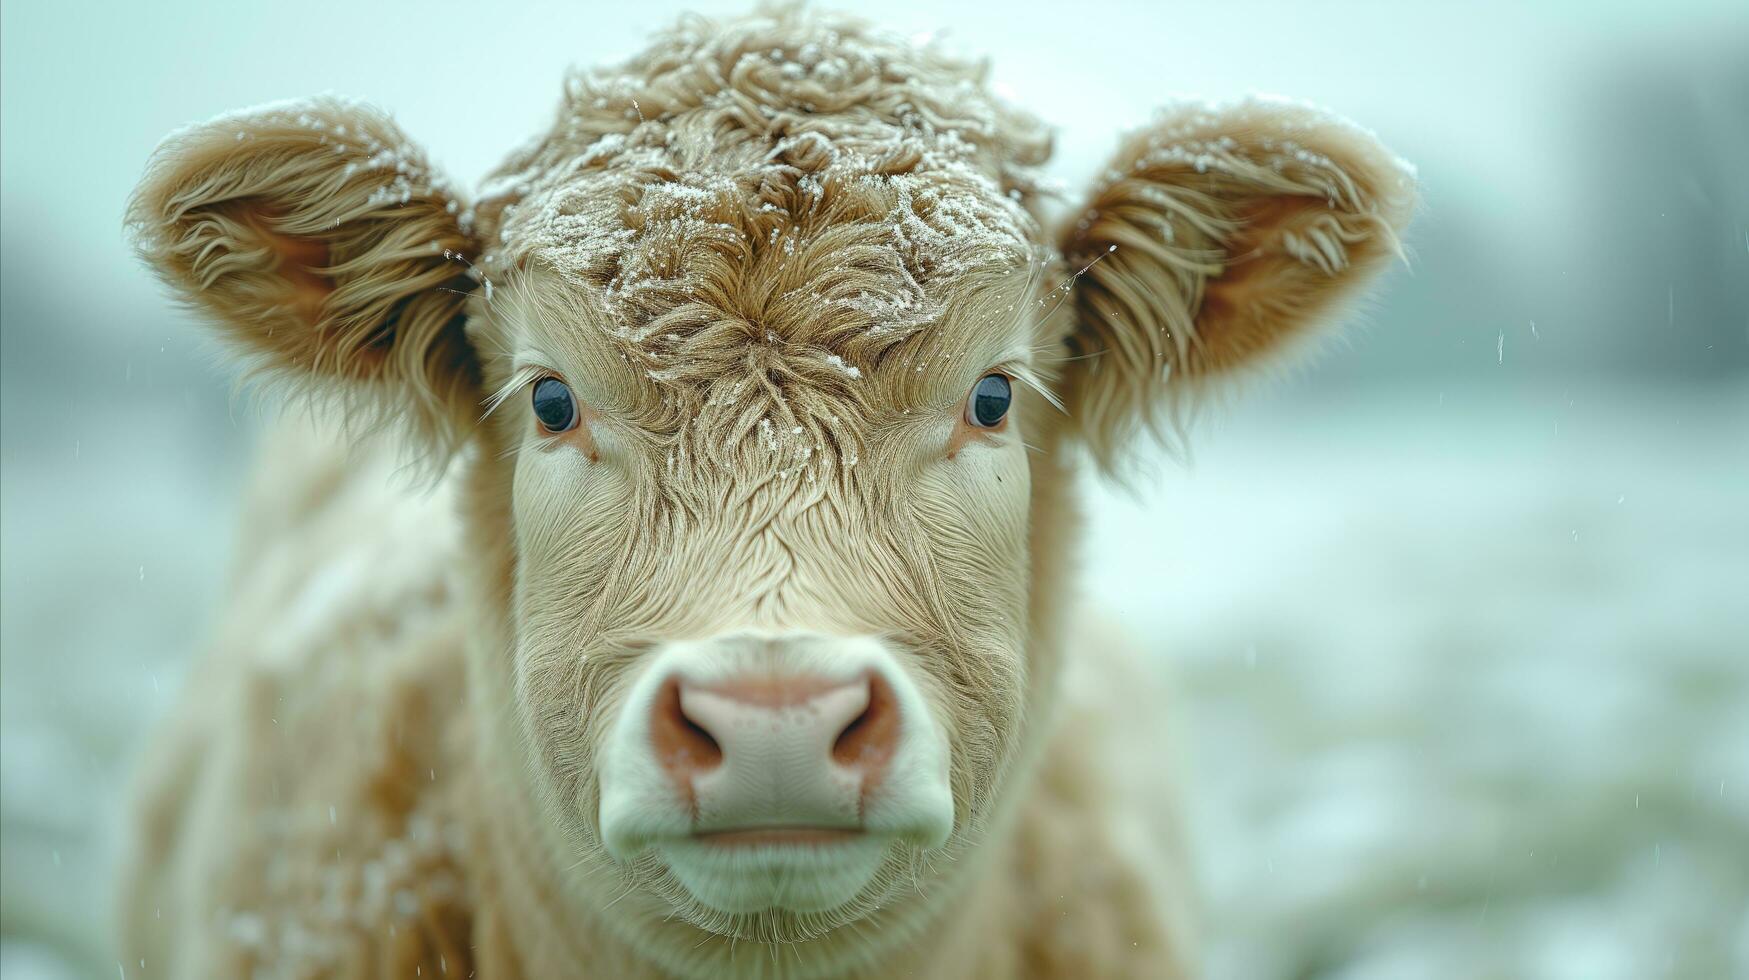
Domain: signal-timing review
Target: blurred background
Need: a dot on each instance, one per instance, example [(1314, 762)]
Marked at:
[(1459, 616)]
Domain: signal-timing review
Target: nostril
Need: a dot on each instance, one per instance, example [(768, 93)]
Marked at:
[(683, 745), (868, 741)]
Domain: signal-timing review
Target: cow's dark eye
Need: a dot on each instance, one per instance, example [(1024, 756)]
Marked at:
[(989, 403), (554, 405)]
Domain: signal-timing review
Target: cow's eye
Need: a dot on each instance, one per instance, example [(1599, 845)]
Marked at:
[(554, 405), (988, 405)]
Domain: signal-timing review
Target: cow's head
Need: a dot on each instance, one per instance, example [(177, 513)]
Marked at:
[(763, 368)]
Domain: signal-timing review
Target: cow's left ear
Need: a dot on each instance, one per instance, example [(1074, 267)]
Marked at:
[(1217, 241)]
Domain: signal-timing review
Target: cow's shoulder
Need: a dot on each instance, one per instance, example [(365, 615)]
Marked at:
[(1099, 844), (301, 807)]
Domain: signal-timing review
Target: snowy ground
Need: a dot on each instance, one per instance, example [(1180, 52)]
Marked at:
[(1467, 680), (1465, 674)]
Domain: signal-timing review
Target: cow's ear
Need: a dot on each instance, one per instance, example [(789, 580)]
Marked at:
[(1218, 240), (326, 250)]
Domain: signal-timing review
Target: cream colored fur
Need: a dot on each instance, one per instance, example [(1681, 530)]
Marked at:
[(771, 257)]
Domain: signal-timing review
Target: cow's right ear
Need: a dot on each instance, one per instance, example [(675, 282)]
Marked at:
[(326, 249)]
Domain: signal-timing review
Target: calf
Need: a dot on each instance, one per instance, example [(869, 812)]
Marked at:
[(732, 635)]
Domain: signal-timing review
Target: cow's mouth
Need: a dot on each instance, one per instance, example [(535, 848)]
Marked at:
[(778, 836), (774, 772), (806, 870)]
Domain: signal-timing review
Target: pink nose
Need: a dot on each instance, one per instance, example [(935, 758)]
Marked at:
[(797, 751)]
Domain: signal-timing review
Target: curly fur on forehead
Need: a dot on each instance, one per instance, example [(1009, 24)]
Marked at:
[(793, 178)]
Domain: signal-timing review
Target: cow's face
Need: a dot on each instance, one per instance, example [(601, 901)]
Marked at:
[(763, 430), (753, 353)]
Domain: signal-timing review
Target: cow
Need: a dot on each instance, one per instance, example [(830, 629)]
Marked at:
[(674, 573)]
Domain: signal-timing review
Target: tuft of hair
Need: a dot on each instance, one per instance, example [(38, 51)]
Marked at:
[(330, 255), (1222, 240)]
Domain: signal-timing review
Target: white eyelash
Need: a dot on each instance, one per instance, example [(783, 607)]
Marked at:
[(520, 379), (1025, 375)]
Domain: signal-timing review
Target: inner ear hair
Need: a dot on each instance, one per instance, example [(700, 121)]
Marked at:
[(1219, 239), (328, 251), (302, 263)]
